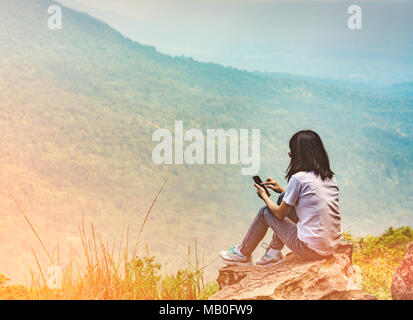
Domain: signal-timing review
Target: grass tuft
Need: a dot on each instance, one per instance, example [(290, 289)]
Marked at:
[(101, 276)]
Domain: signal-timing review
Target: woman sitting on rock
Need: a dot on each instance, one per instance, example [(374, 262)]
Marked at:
[(306, 217)]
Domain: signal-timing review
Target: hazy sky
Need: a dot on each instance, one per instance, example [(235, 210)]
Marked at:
[(306, 37)]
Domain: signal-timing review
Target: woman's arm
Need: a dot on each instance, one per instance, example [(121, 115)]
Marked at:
[(279, 211)]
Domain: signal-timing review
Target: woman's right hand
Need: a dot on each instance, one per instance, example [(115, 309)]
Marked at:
[(273, 185)]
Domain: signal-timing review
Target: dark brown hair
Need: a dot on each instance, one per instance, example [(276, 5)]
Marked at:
[(308, 154)]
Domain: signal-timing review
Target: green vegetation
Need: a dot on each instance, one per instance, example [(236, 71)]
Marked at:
[(78, 109), (378, 258)]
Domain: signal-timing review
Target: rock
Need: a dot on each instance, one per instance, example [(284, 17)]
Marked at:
[(402, 283), (294, 279)]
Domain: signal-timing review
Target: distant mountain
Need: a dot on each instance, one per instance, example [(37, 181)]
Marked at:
[(78, 109), (350, 85), (402, 90), (300, 37)]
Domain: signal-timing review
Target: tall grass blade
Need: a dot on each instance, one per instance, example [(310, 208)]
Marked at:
[(31, 226), (153, 203)]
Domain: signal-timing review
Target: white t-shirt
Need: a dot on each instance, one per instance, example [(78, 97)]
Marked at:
[(316, 204)]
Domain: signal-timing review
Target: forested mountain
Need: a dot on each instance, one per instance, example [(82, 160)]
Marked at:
[(78, 107), (403, 90)]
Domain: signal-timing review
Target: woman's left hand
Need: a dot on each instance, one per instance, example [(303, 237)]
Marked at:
[(261, 192)]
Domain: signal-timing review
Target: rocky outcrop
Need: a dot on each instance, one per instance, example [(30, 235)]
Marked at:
[(402, 284), (294, 279)]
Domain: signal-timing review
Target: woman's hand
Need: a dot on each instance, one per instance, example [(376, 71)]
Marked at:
[(261, 192), (273, 185)]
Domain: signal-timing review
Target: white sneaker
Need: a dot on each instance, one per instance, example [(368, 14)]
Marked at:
[(232, 257), (267, 260)]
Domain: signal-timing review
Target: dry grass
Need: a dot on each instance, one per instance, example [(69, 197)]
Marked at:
[(103, 273)]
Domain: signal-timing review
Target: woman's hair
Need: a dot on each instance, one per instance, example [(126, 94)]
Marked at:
[(308, 154)]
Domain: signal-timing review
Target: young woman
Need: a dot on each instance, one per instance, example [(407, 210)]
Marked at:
[(306, 217)]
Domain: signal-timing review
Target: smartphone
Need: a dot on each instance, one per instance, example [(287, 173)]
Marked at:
[(258, 181)]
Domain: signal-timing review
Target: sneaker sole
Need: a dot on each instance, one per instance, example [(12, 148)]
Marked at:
[(235, 263), (270, 264)]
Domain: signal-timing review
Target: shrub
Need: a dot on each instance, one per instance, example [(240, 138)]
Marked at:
[(378, 258)]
